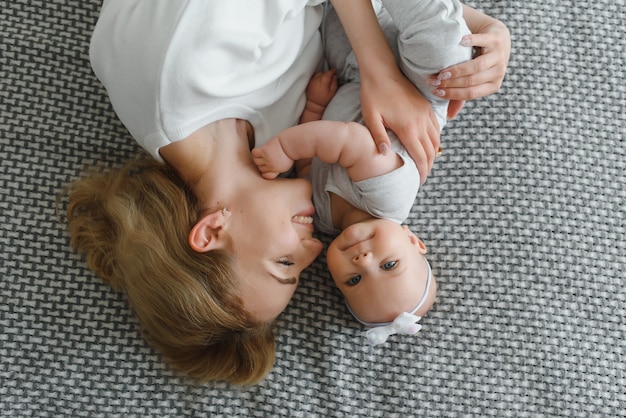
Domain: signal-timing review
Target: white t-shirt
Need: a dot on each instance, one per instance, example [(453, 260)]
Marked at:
[(171, 67)]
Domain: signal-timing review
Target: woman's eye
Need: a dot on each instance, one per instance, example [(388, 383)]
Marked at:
[(389, 265), (353, 281), (285, 262)]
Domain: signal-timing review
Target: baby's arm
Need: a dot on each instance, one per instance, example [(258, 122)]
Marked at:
[(346, 143), (319, 92)]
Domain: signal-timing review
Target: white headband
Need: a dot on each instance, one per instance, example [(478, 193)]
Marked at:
[(405, 322)]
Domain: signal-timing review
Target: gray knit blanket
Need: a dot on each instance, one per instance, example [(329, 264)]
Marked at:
[(524, 216)]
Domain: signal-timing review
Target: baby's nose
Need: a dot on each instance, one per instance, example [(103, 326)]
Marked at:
[(362, 258)]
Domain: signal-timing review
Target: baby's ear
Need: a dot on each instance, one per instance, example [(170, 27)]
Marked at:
[(421, 247)]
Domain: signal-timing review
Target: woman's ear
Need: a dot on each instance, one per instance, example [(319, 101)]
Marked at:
[(207, 233), (421, 247)]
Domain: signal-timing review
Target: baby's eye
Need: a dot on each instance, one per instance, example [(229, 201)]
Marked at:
[(353, 281), (389, 265), (285, 262)]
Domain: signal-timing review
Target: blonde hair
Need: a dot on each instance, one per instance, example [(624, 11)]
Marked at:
[(132, 225)]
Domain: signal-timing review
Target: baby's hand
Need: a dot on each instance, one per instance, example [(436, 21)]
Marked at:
[(322, 88), (271, 159)]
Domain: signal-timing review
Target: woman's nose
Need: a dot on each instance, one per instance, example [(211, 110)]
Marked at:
[(312, 248)]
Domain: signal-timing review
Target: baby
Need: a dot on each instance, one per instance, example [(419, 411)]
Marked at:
[(361, 195)]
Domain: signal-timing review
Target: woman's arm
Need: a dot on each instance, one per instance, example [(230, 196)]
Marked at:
[(346, 143), (388, 99)]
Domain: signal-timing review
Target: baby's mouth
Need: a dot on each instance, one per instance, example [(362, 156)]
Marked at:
[(353, 236)]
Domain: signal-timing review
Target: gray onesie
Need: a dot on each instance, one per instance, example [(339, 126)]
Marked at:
[(425, 36)]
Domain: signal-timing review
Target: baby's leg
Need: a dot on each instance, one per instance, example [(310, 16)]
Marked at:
[(337, 48), (429, 40)]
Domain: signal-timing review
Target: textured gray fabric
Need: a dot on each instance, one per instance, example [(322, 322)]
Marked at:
[(524, 216)]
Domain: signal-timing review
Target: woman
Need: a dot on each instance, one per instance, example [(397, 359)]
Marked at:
[(206, 250)]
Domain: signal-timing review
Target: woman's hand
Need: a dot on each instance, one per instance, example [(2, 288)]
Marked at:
[(393, 102), (484, 74), (389, 100)]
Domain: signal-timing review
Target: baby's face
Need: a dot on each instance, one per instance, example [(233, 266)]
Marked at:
[(380, 268)]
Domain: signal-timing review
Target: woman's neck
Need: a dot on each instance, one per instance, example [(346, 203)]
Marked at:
[(214, 159)]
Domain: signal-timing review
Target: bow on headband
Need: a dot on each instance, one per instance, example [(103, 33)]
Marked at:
[(405, 323)]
